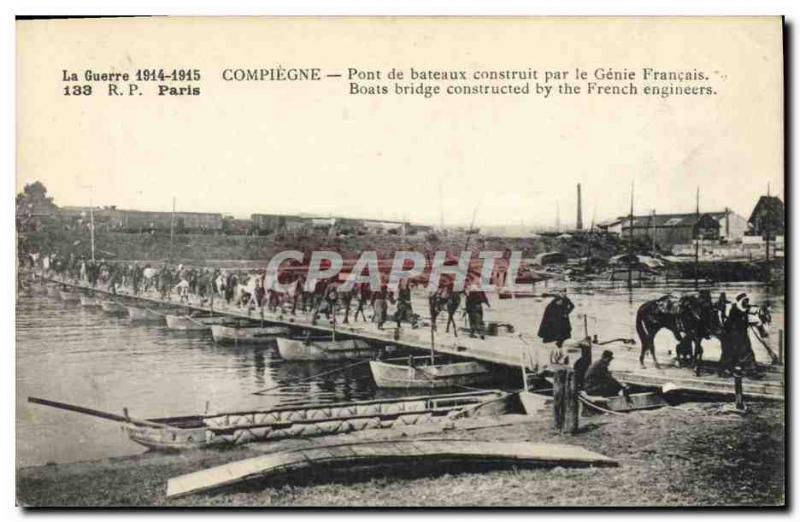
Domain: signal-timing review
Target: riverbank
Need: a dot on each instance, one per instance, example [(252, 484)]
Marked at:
[(698, 454)]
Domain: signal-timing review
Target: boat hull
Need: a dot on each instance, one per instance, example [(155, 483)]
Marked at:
[(144, 315), (230, 429), (90, 302), (387, 375), (185, 323), (254, 335), (324, 350), (70, 297), (114, 308)]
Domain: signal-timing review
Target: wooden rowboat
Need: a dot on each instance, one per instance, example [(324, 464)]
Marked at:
[(69, 296), (305, 420), (707, 386), (425, 375), (224, 334), (187, 323), (324, 349), (113, 307), (90, 301), (144, 315), (634, 402), (541, 403)]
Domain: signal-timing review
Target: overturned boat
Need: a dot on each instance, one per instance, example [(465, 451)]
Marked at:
[(305, 420), (233, 334), (189, 323), (324, 349), (438, 455), (419, 372)]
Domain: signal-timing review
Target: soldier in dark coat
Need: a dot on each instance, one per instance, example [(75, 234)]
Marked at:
[(231, 283), (737, 349), (599, 381), (404, 311), (555, 324), (474, 307), (346, 297), (436, 302), (136, 278), (453, 303), (364, 294)]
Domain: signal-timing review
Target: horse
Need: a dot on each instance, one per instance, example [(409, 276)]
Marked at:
[(690, 318)]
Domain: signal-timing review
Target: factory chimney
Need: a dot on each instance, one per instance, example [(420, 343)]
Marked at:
[(579, 224)]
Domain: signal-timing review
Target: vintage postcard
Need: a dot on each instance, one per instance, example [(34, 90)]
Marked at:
[(406, 262)]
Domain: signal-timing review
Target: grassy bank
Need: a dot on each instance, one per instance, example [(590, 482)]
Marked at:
[(694, 455)]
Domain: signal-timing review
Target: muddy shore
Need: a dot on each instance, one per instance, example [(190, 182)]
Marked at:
[(697, 454)]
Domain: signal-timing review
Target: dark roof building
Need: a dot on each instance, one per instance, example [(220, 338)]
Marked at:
[(674, 229), (768, 215)]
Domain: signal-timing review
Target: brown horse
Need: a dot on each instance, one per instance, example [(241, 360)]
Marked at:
[(690, 318)]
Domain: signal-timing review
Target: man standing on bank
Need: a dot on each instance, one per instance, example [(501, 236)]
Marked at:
[(555, 324)]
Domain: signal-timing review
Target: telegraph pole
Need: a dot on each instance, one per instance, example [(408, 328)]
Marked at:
[(697, 239), (171, 228), (630, 243), (654, 231), (91, 225)]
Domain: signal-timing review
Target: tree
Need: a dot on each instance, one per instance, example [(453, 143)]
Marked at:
[(33, 203)]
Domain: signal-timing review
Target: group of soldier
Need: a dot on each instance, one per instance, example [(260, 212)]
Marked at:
[(248, 290)]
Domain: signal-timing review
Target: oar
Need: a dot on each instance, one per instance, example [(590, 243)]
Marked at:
[(772, 354), (97, 413)]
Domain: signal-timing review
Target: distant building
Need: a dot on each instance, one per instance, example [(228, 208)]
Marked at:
[(768, 216), (613, 226), (674, 229)]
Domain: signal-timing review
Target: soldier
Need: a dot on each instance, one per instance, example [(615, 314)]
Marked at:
[(183, 290), (380, 305), (737, 350), (474, 308), (346, 298), (136, 278), (436, 301), (404, 310), (555, 325), (599, 381), (452, 304), (364, 293), (230, 285), (296, 291)]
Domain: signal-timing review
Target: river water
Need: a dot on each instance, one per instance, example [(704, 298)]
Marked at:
[(72, 354)]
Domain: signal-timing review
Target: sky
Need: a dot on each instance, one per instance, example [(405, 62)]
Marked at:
[(311, 147)]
